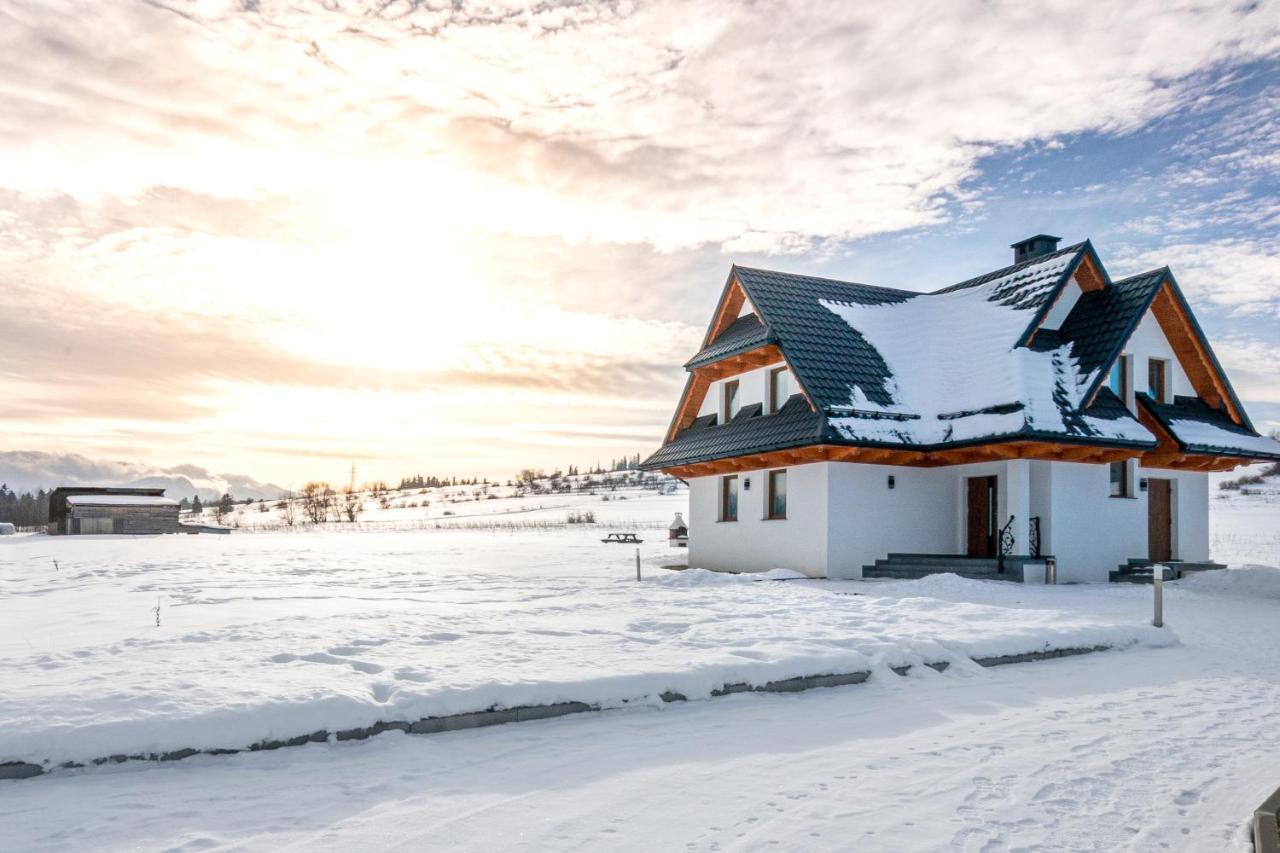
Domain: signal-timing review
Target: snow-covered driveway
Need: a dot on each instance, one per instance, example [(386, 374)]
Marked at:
[(1149, 749)]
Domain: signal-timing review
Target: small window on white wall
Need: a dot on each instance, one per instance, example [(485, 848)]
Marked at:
[(1120, 378), (779, 390), (778, 494), (1158, 379), (1121, 480), (729, 498), (730, 407)]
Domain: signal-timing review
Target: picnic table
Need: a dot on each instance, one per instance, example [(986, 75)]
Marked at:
[(623, 538)]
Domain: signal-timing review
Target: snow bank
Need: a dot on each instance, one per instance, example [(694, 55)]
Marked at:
[(272, 636)]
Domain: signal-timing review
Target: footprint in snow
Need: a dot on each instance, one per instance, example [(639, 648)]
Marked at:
[(412, 675)]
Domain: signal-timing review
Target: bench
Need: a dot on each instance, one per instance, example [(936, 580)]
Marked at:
[(623, 539)]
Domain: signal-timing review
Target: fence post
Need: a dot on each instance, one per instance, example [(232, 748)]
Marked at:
[(637, 564), (1157, 583)]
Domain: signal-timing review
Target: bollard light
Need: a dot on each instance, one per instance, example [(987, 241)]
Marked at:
[(1157, 583)]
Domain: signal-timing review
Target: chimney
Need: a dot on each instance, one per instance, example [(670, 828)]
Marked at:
[(1034, 247)]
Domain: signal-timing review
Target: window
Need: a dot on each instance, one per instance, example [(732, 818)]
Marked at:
[(1120, 479), (1155, 379), (777, 389), (778, 494), (729, 498), (730, 400), (1120, 378)]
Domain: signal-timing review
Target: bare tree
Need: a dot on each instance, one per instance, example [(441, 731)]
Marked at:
[(316, 498), (351, 504), (288, 508)]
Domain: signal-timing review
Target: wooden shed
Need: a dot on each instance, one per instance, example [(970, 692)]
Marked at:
[(82, 510)]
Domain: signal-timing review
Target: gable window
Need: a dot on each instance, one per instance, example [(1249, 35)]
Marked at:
[(1157, 373), (729, 498), (1120, 378), (778, 494), (730, 399), (777, 389), (1120, 479)]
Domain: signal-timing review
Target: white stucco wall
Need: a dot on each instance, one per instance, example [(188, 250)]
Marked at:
[(843, 515), (754, 543), (869, 520), (1090, 532), (1148, 341)]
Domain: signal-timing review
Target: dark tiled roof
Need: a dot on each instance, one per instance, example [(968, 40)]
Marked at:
[(1200, 429), (825, 353), (744, 333), (1101, 320), (795, 425), (858, 397)]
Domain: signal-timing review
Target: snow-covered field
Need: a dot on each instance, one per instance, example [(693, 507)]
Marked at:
[(278, 634)]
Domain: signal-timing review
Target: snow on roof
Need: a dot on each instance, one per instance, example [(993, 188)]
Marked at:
[(1197, 434), (119, 500), (957, 375)]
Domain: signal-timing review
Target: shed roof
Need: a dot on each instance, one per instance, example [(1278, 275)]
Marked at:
[(119, 500)]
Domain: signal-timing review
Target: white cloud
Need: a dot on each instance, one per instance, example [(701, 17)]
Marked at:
[(1253, 365), (404, 209), (30, 470), (1239, 275), (671, 123)]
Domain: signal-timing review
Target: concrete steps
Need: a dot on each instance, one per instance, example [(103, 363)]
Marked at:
[(1141, 570), (915, 566)]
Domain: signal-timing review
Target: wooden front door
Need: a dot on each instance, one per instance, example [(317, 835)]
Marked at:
[(982, 517), (1159, 520)]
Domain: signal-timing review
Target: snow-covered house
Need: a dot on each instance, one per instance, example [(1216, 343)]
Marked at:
[(1041, 409)]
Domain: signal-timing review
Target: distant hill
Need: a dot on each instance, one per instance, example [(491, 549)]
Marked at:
[(29, 470)]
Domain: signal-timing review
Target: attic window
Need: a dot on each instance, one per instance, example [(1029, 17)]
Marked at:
[(778, 391), (1157, 378), (730, 404), (1120, 381)]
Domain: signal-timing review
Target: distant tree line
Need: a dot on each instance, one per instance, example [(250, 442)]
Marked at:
[(417, 481), (24, 510)]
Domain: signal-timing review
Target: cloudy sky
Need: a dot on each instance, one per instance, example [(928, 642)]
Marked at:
[(280, 237)]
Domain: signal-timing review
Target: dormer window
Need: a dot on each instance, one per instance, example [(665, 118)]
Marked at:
[(778, 389), (1120, 379), (1157, 378), (730, 404)]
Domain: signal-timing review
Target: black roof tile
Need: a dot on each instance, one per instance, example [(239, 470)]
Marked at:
[(826, 354), (744, 333), (795, 425), (1101, 320)]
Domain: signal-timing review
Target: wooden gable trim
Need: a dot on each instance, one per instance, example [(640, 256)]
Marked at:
[(1166, 443), (695, 388), (1087, 274), (730, 307), (1193, 356)]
